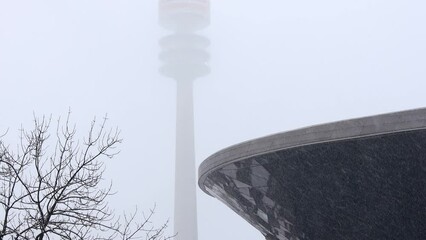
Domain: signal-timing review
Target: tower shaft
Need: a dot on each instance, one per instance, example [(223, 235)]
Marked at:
[(185, 208)]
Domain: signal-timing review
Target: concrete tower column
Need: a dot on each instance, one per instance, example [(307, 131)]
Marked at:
[(184, 59), (185, 210)]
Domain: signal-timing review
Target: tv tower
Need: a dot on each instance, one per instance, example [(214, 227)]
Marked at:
[(184, 59)]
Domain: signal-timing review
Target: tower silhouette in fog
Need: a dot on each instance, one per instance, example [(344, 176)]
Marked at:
[(184, 58)]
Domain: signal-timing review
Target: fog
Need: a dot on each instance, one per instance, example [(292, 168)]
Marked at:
[(274, 66)]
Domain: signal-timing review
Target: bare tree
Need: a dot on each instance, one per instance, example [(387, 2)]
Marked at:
[(57, 194)]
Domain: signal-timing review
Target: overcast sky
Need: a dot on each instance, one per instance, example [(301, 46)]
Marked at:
[(275, 66)]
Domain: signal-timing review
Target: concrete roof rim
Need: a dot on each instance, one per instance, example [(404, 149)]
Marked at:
[(388, 123)]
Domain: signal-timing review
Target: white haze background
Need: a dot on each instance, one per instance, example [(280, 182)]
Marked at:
[(275, 66)]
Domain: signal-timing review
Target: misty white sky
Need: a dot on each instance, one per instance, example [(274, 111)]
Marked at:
[(275, 65)]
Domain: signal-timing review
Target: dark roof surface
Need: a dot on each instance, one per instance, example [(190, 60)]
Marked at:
[(357, 179)]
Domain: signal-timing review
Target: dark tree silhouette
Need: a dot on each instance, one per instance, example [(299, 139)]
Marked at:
[(50, 187)]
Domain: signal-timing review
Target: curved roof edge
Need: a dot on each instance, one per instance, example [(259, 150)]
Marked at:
[(353, 128)]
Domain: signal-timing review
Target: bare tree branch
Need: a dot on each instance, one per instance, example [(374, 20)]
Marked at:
[(58, 195)]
